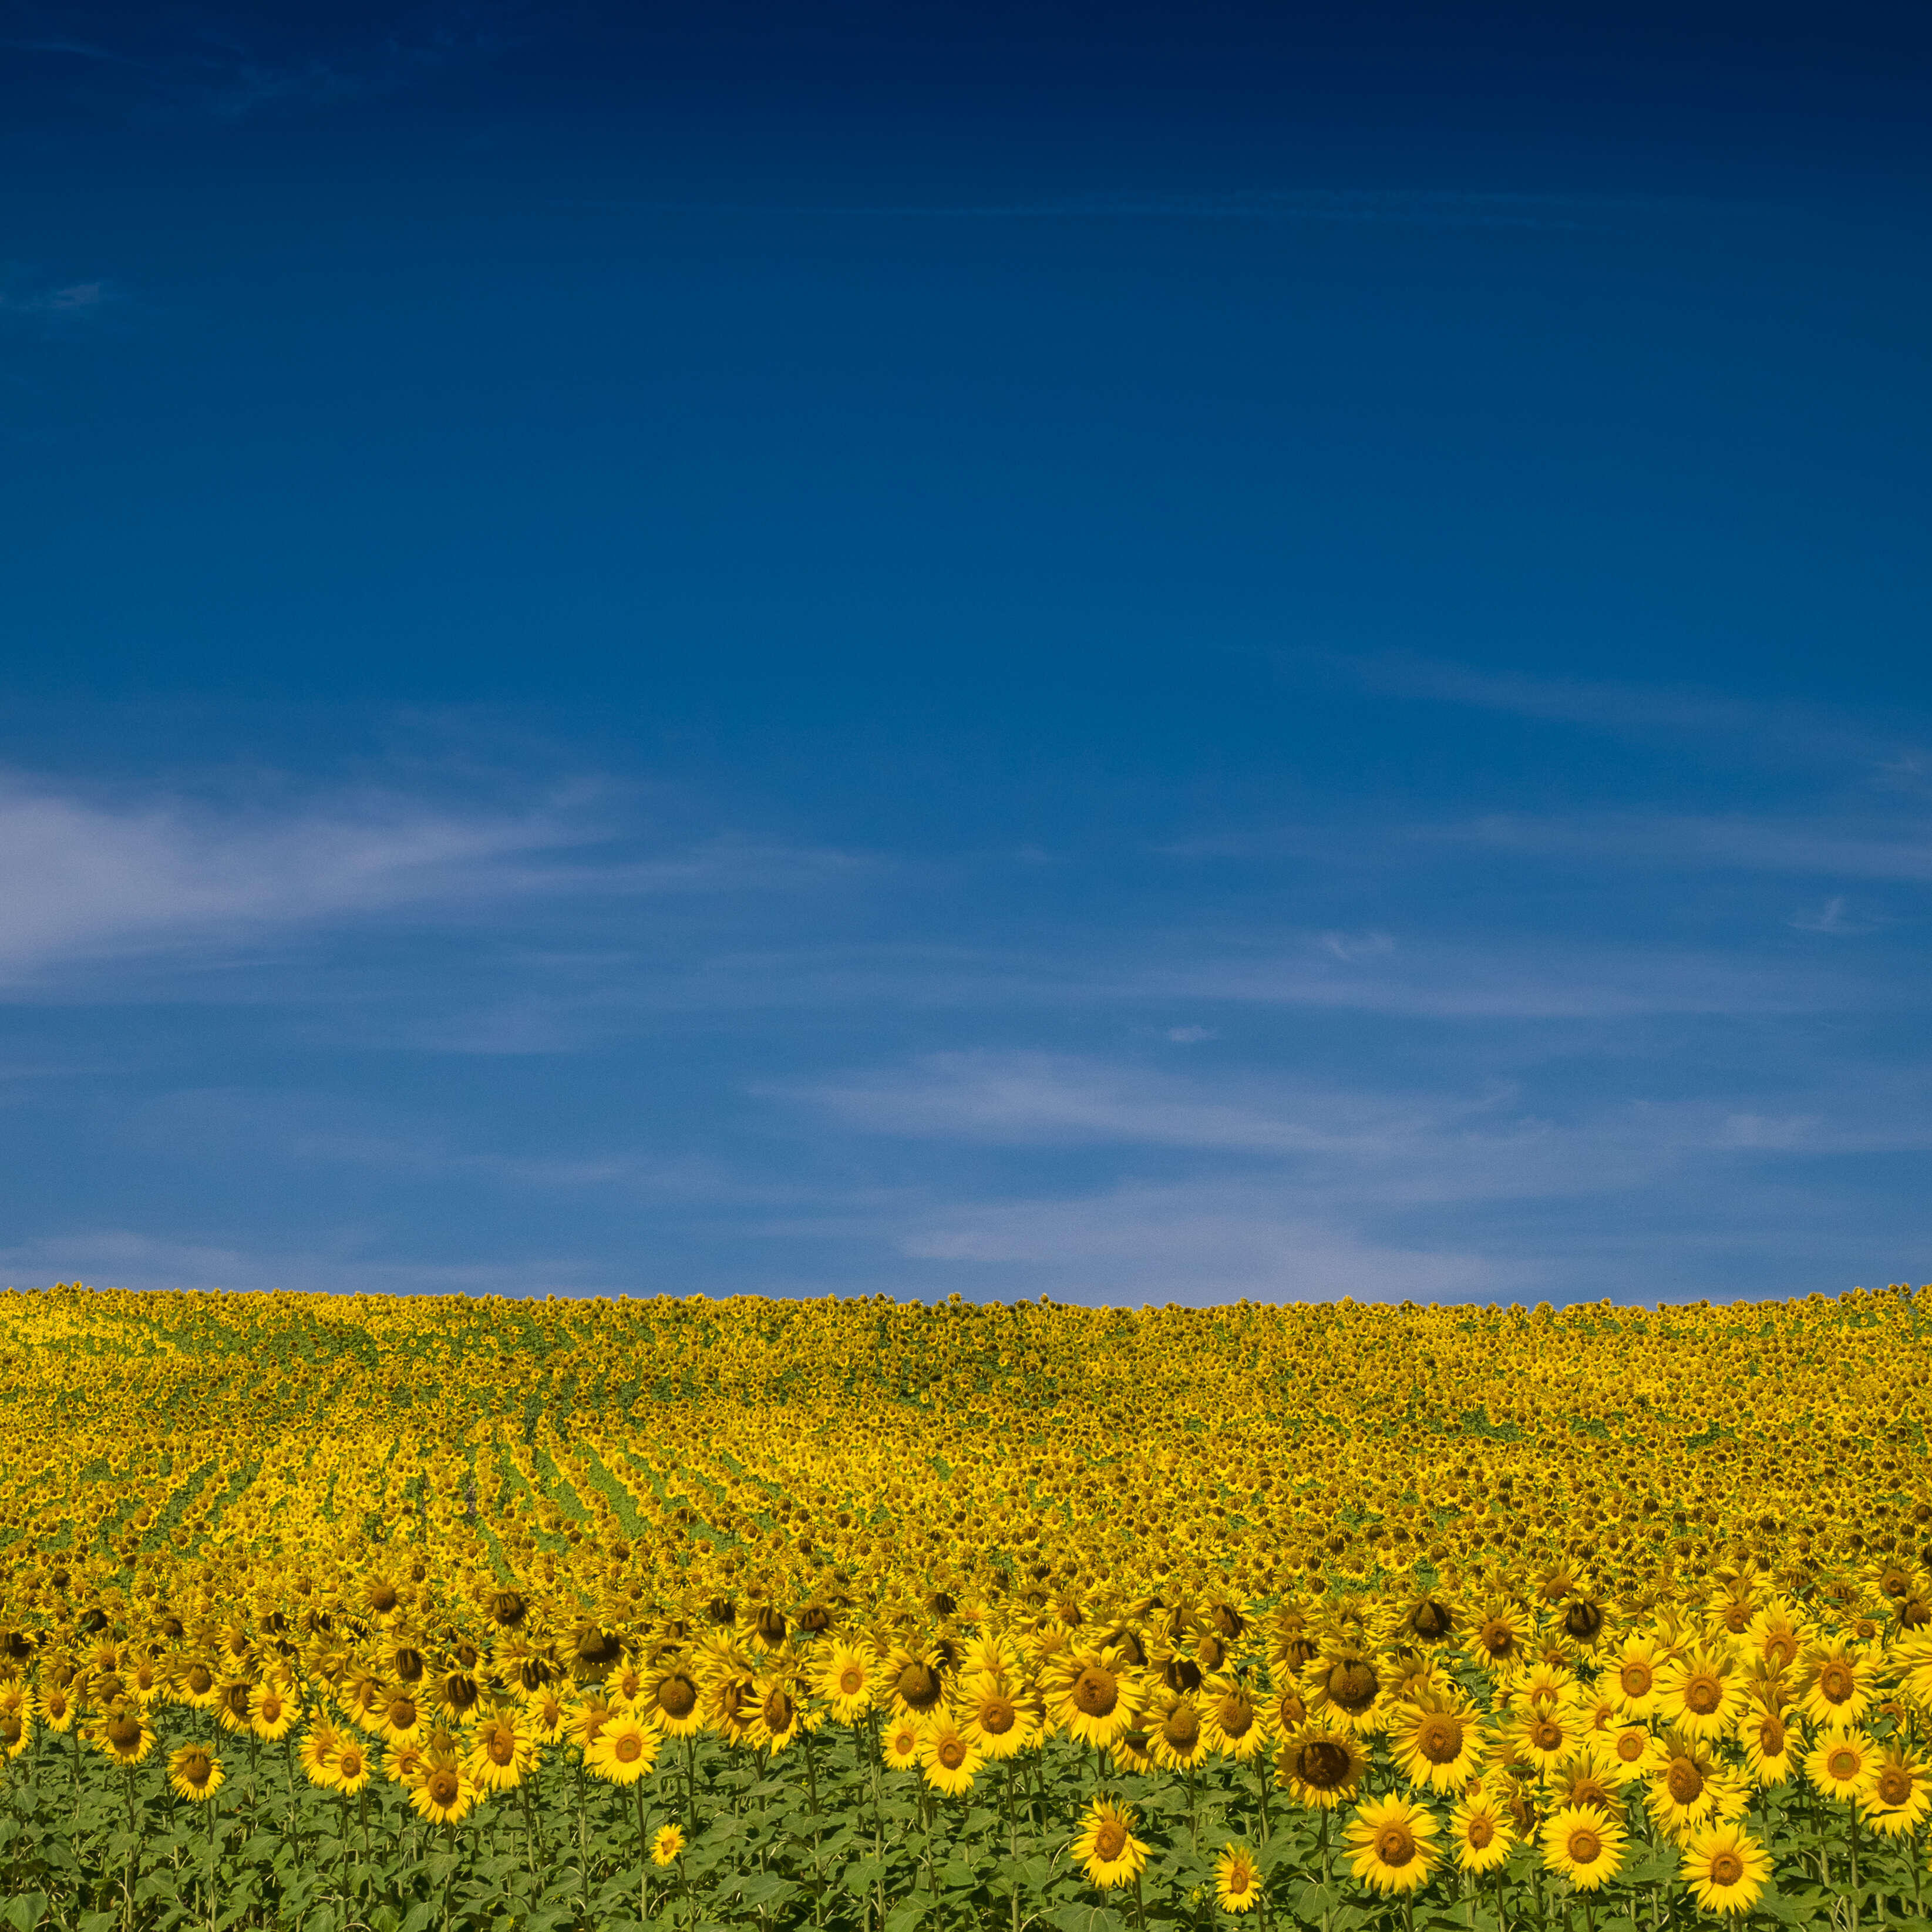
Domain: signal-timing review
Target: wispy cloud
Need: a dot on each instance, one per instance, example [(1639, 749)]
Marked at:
[(86, 879), (1863, 850)]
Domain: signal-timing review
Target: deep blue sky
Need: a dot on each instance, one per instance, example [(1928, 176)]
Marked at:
[(1124, 651)]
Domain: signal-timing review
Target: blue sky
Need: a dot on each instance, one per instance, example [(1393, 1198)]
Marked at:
[(1129, 653)]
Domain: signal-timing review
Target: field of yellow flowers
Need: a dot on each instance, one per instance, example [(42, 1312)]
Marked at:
[(420, 1614)]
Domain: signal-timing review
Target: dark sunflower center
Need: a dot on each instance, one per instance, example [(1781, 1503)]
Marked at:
[(1583, 1620), (778, 1713), (1703, 1694), (382, 1600), (1780, 1652), (1235, 1715), (677, 1697), (124, 1732), (1096, 1691), (1182, 1730), (1585, 1846), (1111, 1840), (1497, 1638), (919, 1686), (1895, 1787), (403, 1713), (1684, 1780), (1546, 1735), (1395, 1845), (1428, 1619), (1637, 1680), (502, 1745), (1439, 1739), (1322, 1765), (952, 1752), (443, 1786), (350, 1764), (1353, 1685), (1630, 1746), (851, 1681), (1727, 1868), (197, 1767), (629, 1748), (1480, 1831), (997, 1716), (1771, 1737), (200, 1679), (1836, 1682), (1843, 1766)]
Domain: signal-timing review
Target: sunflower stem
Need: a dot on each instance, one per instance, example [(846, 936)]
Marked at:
[(643, 1858)]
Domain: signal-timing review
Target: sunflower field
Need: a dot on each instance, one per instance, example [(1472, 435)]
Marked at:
[(415, 1615)]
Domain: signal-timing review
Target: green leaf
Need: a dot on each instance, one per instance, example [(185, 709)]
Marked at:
[(25, 1910)]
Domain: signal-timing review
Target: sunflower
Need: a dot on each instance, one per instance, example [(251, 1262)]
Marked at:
[(1583, 1843), (1105, 1848), (1635, 1671), (780, 1716), (274, 1711), (667, 1845), (1841, 1764), (124, 1734), (1725, 1868), (948, 1758), (1769, 1749), (671, 1700), (899, 1747), (234, 1704), (915, 1681), (442, 1792), (1839, 1680), (1094, 1696), (1392, 1843), (1700, 1694), (1440, 1745), (848, 1679), (1237, 1880), (1482, 1832), (1320, 1766), (1233, 1725), (544, 1713), (586, 1717), (316, 1754), (194, 1772), (1544, 1732), (17, 1730), (1776, 1636), (353, 1768), (995, 1721), (1177, 1738), (1132, 1751), (196, 1685), (1896, 1797), (1343, 1688), (58, 1707), (1584, 1779), (1630, 1752), (399, 1719), (1499, 1635), (1688, 1790), (501, 1754), (626, 1748)]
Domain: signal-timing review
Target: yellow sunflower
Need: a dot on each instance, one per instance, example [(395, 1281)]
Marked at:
[(1320, 1766), (1544, 1732), (1481, 1828), (1439, 1746), (1105, 1848), (1585, 1843), (195, 1772), (671, 1700), (1770, 1748), (1634, 1673), (124, 1734), (1725, 1868), (998, 1722), (1094, 1696), (1344, 1688), (948, 1758), (667, 1845), (626, 1750), (1839, 1681), (1897, 1796), (353, 1768), (1689, 1789), (848, 1679), (899, 1746), (1630, 1752), (443, 1792), (274, 1711), (501, 1754), (1237, 1880), (1234, 1725), (1177, 1739), (1840, 1765), (1392, 1843), (1700, 1694)]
